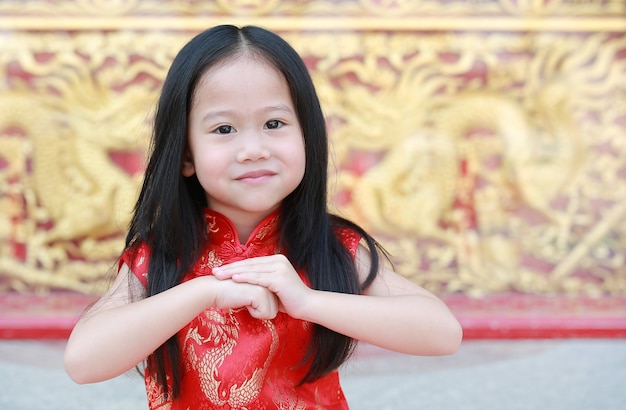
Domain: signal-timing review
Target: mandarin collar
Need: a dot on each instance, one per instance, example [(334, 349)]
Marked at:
[(223, 234)]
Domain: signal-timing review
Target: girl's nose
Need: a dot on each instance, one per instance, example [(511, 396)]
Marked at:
[(253, 148)]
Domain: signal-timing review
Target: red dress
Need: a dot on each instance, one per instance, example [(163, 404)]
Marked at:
[(232, 360)]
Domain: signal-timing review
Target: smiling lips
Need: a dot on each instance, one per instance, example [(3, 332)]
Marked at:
[(255, 176)]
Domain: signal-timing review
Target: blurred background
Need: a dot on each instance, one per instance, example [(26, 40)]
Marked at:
[(483, 142)]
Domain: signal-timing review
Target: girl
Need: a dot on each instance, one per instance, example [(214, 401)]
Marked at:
[(236, 283)]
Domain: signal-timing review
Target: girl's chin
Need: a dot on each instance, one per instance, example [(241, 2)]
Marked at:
[(255, 209)]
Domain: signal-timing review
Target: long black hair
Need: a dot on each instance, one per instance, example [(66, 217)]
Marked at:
[(168, 216)]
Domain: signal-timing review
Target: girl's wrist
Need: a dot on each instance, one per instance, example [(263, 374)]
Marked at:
[(207, 288), (311, 306)]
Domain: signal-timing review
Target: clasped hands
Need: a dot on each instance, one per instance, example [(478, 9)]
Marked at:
[(264, 285)]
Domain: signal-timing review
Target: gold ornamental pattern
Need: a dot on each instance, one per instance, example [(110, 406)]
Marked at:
[(485, 160), (307, 8)]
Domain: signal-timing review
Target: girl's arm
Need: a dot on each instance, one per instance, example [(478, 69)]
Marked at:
[(393, 313), (116, 333)]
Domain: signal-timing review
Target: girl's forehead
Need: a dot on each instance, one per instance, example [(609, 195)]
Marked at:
[(243, 73), (247, 59)]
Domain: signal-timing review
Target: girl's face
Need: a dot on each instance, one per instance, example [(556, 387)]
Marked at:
[(245, 142)]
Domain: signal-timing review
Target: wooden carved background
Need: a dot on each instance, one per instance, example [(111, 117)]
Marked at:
[(482, 141)]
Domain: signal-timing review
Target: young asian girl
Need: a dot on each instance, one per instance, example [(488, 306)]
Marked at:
[(237, 287)]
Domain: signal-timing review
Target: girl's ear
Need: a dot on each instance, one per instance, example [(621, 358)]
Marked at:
[(188, 168)]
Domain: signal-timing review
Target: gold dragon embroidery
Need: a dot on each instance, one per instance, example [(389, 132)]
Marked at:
[(224, 336)]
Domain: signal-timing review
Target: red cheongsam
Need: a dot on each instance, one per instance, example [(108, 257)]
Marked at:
[(232, 360)]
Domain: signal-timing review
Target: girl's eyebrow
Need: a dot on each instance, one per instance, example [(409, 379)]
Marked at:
[(278, 107), (218, 113), (211, 115)]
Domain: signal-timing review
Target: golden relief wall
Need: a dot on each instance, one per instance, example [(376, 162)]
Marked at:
[(482, 141)]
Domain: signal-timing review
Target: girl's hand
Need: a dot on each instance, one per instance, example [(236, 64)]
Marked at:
[(274, 273), (260, 302)]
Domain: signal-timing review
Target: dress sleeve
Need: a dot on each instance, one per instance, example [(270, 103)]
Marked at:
[(137, 258), (349, 238)]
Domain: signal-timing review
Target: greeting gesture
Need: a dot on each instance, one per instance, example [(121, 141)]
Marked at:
[(274, 273)]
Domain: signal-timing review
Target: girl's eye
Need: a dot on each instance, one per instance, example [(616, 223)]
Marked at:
[(273, 124), (224, 129)]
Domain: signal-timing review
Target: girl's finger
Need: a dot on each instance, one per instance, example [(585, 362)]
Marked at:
[(252, 278), (221, 273)]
